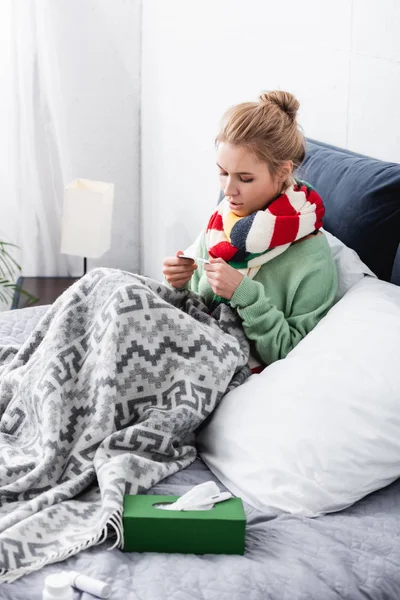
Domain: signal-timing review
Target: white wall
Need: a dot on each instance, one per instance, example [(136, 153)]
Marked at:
[(341, 59)]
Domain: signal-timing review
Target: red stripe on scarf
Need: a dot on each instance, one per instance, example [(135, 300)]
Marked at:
[(286, 232), (223, 250), (315, 198), (281, 207), (287, 222), (216, 222)]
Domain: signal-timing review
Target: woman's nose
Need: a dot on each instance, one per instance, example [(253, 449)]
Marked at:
[(230, 188)]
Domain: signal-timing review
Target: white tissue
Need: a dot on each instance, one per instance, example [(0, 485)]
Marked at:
[(200, 497)]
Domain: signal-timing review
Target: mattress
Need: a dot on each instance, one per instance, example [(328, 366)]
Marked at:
[(351, 555)]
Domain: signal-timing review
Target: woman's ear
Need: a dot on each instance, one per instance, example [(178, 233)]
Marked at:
[(285, 170)]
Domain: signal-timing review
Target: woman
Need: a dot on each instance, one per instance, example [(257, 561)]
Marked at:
[(267, 257)]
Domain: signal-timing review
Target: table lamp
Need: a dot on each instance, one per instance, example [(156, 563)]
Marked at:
[(87, 219)]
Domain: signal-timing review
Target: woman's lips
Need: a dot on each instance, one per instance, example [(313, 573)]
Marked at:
[(235, 204)]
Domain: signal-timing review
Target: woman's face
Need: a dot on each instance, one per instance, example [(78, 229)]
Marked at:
[(246, 182)]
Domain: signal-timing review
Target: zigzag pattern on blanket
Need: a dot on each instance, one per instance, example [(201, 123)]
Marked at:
[(103, 399)]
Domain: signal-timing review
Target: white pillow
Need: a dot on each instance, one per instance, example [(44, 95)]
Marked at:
[(320, 429), (350, 267)]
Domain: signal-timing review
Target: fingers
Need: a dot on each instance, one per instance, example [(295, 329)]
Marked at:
[(214, 267), (178, 271), (174, 264), (223, 280), (213, 261), (180, 283), (185, 258), (180, 268), (174, 260), (179, 277)]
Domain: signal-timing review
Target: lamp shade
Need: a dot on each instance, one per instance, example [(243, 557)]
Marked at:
[(87, 218)]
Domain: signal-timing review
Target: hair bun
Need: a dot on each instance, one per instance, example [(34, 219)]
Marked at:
[(284, 100)]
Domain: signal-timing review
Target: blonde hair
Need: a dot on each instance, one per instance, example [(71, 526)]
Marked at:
[(269, 128)]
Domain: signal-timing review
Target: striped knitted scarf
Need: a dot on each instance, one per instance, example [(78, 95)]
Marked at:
[(246, 243)]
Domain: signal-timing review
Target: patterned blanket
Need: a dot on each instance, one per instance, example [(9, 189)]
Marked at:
[(103, 399)]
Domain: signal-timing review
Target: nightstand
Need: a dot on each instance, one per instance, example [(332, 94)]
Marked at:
[(47, 289)]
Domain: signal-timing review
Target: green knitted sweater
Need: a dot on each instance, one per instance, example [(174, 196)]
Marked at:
[(284, 301)]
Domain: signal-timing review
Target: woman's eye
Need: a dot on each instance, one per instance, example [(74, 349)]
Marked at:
[(222, 174)]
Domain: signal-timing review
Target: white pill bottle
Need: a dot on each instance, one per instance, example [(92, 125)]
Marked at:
[(57, 587)]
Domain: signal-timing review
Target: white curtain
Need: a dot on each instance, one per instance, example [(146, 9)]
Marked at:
[(33, 166), (69, 108)]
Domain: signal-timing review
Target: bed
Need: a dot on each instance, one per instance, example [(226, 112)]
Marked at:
[(350, 555)]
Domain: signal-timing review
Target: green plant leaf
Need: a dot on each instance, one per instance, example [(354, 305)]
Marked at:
[(5, 267), (8, 269), (9, 244), (6, 255), (18, 288)]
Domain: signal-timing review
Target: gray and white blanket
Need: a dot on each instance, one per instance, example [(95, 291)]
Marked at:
[(103, 400)]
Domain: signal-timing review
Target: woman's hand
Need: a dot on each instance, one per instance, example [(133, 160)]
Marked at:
[(178, 271), (222, 278)]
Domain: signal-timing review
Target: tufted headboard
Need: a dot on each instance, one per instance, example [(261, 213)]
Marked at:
[(362, 202)]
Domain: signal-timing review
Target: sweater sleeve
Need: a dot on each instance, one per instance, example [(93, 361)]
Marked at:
[(273, 333), (197, 249)]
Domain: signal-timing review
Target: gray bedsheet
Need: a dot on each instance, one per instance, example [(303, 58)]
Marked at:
[(352, 555)]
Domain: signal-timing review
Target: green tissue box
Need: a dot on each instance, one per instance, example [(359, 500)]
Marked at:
[(220, 530)]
